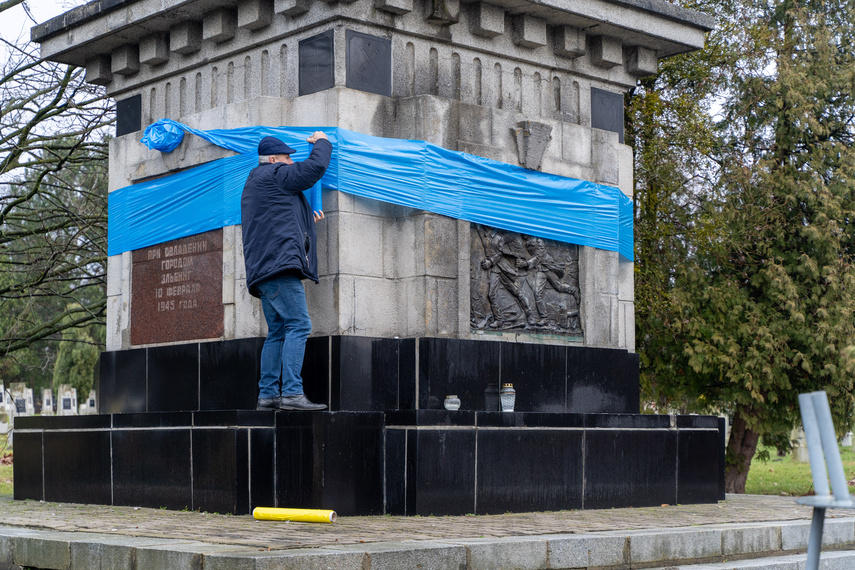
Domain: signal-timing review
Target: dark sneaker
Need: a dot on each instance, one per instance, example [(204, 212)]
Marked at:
[(299, 402), (267, 404)]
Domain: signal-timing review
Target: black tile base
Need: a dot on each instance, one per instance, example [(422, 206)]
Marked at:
[(409, 462), (351, 373)]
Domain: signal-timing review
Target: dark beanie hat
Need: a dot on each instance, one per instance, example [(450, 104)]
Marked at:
[(272, 145)]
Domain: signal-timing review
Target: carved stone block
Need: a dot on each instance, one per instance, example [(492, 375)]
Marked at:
[(126, 59), (606, 52), (642, 61), (486, 20), (254, 14), (219, 25), (529, 32), (154, 49), (520, 282), (98, 70), (186, 37), (569, 42)]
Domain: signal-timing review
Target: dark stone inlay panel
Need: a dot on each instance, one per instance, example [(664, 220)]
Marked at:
[(228, 375), (602, 380), (316, 63), (538, 374), (262, 468), (153, 420), (395, 473), (27, 466), (128, 115), (77, 467), (441, 471), (607, 111), (696, 466), (123, 381), (316, 370), (220, 477), (177, 290), (529, 470), (369, 63), (630, 468), (364, 373), (151, 468), (236, 418), (173, 378), (463, 368)]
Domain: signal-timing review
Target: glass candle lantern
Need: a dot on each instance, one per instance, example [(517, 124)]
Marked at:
[(508, 397), (452, 402)]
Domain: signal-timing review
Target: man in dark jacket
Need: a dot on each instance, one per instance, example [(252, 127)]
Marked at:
[(280, 250)]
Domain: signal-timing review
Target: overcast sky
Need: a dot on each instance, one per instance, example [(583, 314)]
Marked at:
[(15, 23)]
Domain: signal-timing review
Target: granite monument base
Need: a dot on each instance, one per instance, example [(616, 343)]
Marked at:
[(178, 430), (425, 462)]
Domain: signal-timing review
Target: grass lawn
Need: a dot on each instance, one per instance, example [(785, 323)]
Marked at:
[(5, 470), (783, 476)]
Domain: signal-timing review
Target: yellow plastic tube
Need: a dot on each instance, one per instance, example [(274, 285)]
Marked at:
[(298, 515)]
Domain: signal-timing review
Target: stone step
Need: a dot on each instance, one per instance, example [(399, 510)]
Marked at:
[(766, 545), (839, 560)]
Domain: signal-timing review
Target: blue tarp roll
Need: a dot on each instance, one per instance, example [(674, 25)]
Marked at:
[(404, 172)]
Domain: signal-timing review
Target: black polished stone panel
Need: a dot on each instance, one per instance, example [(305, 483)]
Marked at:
[(128, 115), (220, 470), (330, 460), (316, 369), (607, 111), (529, 470), (299, 443), (395, 472), (123, 381), (76, 466), (173, 378), (151, 468), (262, 468), (27, 466), (368, 62), (460, 367), (237, 418), (440, 471), (407, 396), (697, 466), (228, 374), (538, 374), (630, 468), (431, 418), (529, 419), (364, 373), (693, 421), (627, 421), (602, 380), (153, 420), (316, 63), (62, 422)]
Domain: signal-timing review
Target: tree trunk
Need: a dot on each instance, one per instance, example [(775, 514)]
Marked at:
[(740, 450)]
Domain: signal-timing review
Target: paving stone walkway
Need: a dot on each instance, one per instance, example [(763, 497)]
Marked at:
[(246, 531)]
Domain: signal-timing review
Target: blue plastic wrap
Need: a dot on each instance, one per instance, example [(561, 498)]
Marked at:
[(404, 172)]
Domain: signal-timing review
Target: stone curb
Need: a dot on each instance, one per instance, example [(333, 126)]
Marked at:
[(710, 546)]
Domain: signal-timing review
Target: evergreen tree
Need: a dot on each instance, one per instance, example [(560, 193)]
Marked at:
[(761, 307)]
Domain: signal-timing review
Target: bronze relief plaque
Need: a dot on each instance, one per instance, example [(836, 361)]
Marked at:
[(520, 282), (177, 290)]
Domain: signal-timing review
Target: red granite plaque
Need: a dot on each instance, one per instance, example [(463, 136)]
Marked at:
[(177, 290)]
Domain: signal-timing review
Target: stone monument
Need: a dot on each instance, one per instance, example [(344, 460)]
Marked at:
[(412, 305)]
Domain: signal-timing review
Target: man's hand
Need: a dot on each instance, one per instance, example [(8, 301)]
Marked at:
[(317, 135), (318, 214)]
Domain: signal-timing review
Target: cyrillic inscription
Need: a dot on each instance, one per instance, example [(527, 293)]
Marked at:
[(177, 290)]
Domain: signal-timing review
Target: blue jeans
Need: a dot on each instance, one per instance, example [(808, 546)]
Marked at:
[(283, 300)]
